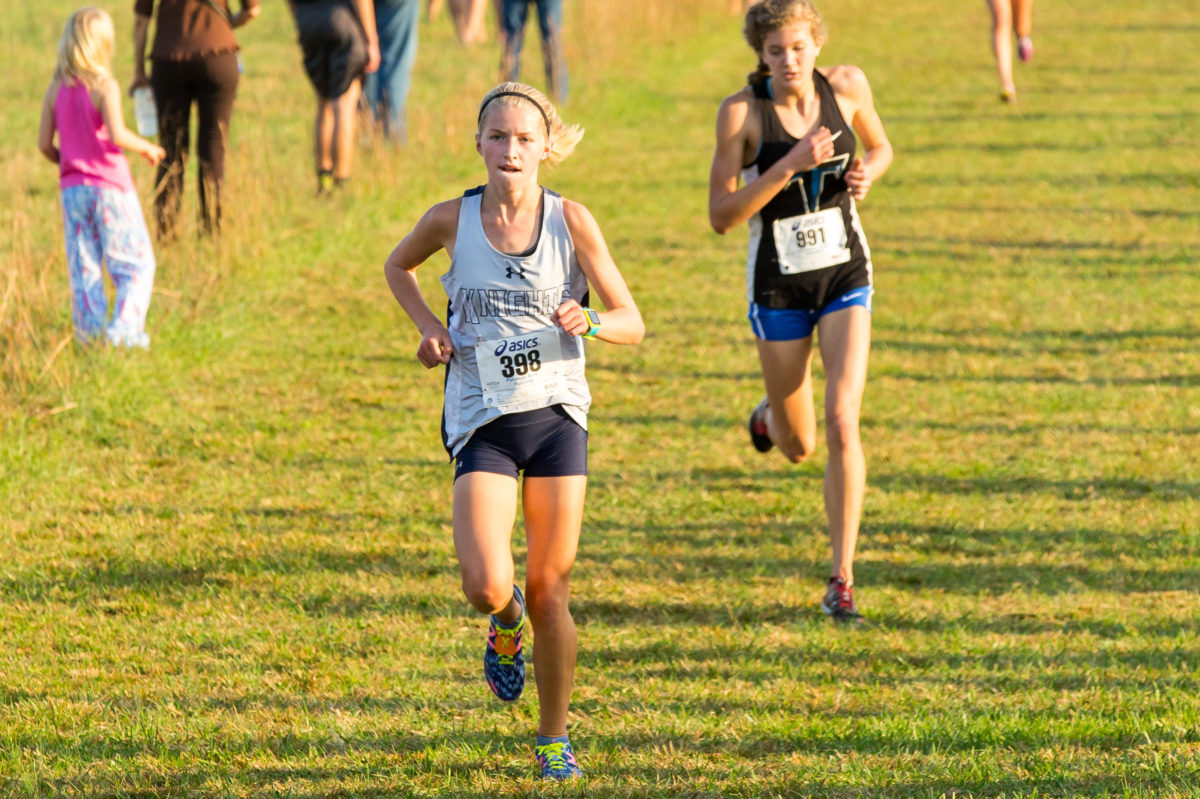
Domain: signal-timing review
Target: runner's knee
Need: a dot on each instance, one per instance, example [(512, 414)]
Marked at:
[(841, 429), (546, 598), (487, 593)]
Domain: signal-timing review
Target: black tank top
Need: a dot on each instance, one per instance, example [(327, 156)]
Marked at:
[(818, 189)]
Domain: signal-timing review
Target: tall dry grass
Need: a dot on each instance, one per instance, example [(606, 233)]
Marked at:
[(39, 356), (269, 166), (35, 333)]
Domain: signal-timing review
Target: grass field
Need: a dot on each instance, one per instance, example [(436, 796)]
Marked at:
[(227, 568)]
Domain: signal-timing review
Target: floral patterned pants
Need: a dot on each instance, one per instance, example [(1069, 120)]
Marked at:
[(104, 225)]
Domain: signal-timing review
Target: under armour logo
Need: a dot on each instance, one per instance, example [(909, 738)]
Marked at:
[(514, 271)]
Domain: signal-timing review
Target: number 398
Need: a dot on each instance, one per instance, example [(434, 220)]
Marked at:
[(520, 364)]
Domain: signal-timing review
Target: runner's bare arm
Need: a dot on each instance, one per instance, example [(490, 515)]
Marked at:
[(621, 321), (738, 136), (436, 230), (858, 105)]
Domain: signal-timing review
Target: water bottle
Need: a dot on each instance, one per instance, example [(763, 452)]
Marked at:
[(144, 111)]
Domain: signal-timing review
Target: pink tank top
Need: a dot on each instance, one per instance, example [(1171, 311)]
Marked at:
[(86, 155)]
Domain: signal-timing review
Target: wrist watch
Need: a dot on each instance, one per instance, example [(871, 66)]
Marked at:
[(593, 320)]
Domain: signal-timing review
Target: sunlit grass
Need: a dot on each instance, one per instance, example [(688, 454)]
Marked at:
[(228, 569)]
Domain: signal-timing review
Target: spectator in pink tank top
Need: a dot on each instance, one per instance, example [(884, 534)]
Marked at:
[(102, 218)]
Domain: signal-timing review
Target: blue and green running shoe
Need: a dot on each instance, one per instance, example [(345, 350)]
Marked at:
[(503, 663), (557, 759)]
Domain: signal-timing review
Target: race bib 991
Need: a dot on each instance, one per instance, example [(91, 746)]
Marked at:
[(811, 241)]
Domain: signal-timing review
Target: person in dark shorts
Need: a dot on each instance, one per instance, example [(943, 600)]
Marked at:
[(516, 397), (340, 45), (790, 138)]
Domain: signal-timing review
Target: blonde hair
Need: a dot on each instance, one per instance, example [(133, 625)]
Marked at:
[(561, 136), (767, 16), (85, 48)]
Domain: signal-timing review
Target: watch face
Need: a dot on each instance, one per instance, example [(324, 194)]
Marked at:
[(593, 317)]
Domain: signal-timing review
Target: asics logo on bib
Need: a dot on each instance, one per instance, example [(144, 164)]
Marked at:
[(812, 182), (516, 346)]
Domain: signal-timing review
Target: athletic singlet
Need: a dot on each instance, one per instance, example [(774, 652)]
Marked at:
[(509, 356), (807, 247)]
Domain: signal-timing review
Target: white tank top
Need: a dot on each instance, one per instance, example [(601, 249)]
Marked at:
[(509, 356)]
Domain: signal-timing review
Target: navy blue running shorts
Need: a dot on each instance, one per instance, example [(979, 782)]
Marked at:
[(542, 443)]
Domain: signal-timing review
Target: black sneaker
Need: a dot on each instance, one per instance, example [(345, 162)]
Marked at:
[(838, 602), (759, 436), (325, 182)]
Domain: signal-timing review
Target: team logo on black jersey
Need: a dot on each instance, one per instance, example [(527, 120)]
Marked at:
[(812, 182)]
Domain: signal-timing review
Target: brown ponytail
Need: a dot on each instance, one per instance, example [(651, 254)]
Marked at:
[(759, 73)]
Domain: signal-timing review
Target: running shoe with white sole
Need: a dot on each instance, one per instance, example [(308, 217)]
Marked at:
[(838, 602), (759, 435)]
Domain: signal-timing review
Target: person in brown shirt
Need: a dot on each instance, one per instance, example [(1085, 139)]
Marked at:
[(195, 57)]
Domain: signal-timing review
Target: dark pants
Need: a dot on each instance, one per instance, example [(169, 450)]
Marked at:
[(513, 14), (210, 83), (386, 90)]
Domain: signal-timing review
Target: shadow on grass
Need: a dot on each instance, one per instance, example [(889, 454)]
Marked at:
[(1001, 347), (456, 763), (1029, 118), (1111, 488), (661, 422), (733, 480), (309, 760), (934, 259), (953, 559), (170, 581), (1106, 338), (1002, 428), (1046, 579), (1178, 380), (949, 558), (1160, 782)]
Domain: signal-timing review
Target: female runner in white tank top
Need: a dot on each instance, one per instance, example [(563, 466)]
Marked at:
[(522, 259)]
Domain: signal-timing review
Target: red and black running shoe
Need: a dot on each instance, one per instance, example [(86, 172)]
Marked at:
[(838, 602), (759, 435)]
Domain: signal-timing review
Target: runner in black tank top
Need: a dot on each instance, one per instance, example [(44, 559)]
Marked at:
[(808, 268), (820, 188)]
